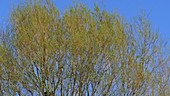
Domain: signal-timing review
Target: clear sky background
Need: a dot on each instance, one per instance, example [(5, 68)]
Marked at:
[(158, 10)]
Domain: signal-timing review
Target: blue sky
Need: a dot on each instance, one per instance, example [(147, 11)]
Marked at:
[(158, 10)]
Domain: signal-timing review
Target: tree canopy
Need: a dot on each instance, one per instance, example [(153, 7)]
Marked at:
[(82, 52)]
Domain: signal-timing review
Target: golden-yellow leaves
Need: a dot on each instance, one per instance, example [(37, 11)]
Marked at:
[(79, 52)]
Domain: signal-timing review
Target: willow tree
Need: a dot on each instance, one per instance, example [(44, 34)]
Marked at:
[(81, 52)]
